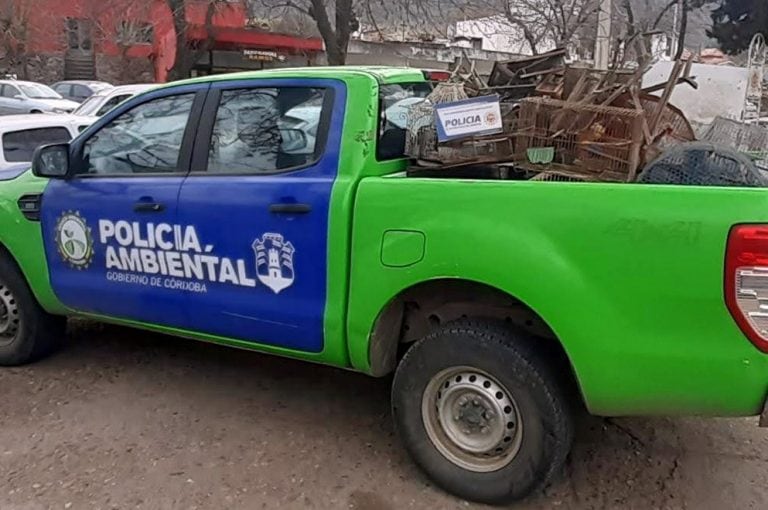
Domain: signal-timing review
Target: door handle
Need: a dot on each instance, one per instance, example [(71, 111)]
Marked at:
[(148, 207), (290, 208)]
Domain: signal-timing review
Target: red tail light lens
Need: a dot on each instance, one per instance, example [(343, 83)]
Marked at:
[(436, 75), (746, 281)]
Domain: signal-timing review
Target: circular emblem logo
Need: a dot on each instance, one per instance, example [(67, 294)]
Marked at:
[(490, 118), (73, 240)]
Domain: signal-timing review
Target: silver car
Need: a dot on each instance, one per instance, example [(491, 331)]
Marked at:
[(29, 97)]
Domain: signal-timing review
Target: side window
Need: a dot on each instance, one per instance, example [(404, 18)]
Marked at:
[(111, 103), (63, 89), (20, 145), (266, 130), (395, 101), (10, 91), (146, 139), (80, 91)]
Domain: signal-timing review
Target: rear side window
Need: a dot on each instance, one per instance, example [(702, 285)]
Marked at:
[(267, 130), (394, 102), (18, 146), (80, 91), (63, 89)]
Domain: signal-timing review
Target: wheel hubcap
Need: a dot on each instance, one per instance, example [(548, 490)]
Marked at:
[(9, 316), (472, 419)]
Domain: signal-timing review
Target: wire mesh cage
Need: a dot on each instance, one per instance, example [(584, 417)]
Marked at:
[(750, 139), (602, 142), (703, 164)]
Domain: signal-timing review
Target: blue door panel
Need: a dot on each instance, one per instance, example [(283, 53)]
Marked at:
[(280, 297), (86, 283), (86, 220)]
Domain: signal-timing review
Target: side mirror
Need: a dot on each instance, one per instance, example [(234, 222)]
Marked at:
[(51, 161), (19, 96)]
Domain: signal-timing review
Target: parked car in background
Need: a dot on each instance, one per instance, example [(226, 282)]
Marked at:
[(20, 135), (12, 171), (104, 100), (80, 90), (29, 97)]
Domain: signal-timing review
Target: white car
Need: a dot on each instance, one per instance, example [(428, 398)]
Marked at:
[(104, 100), (28, 97), (20, 135)]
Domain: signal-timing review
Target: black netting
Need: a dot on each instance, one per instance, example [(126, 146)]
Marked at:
[(703, 164)]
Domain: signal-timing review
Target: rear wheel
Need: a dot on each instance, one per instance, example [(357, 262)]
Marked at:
[(27, 332), (480, 412)]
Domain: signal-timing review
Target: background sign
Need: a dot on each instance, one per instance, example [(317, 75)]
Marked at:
[(468, 117)]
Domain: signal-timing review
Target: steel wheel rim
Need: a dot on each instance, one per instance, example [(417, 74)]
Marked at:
[(472, 419), (10, 319)]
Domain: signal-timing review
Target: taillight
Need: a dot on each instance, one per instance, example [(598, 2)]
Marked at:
[(746, 281), (436, 75)]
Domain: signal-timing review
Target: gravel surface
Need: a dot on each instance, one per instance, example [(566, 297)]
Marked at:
[(123, 419)]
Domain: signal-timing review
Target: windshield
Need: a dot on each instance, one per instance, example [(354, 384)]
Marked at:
[(90, 105), (38, 91)]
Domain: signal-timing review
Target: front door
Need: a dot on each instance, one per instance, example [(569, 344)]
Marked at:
[(110, 229), (256, 202)]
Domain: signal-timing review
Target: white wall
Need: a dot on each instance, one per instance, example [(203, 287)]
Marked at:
[(498, 34), (721, 91)]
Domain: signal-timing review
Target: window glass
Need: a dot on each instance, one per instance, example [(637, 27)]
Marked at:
[(146, 139), (62, 88), (9, 91), (266, 130), (38, 91), (111, 103), (20, 145), (395, 100), (80, 91)]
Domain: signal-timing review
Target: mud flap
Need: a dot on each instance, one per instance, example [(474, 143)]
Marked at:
[(764, 415)]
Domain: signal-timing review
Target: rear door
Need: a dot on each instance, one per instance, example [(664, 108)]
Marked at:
[(110, 231), (257, 201)]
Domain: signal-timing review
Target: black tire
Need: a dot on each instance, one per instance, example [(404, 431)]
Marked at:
[(27, 332), (545, 436), (36, 111)]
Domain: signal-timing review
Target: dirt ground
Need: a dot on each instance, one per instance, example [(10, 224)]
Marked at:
[(123, 419)]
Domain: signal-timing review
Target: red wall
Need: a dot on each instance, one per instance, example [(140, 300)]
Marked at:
[(47, 30)]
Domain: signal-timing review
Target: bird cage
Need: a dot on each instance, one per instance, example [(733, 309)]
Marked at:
[(601, 142)]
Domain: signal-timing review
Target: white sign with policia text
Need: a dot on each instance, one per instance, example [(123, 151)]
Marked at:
[(469, 117)]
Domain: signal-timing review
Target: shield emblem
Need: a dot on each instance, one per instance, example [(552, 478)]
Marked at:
[(274, 261)]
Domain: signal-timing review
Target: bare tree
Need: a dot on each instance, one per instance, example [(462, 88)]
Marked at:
[(188, 52), (335, 21), (550, 22), (641, 19), (14, 34)]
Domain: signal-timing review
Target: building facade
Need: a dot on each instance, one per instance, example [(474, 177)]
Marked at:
[(128, 41)]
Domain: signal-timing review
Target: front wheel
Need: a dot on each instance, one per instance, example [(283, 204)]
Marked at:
[(27, 332), (480, 413)]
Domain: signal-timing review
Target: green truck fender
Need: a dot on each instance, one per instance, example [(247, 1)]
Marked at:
[(21, 239), (629, 279)]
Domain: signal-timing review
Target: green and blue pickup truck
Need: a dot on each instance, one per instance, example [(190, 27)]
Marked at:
[(272, 211)]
